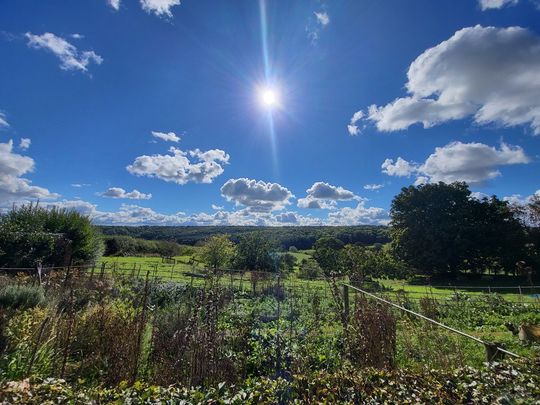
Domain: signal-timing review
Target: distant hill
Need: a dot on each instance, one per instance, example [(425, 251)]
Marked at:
[(303, 237)]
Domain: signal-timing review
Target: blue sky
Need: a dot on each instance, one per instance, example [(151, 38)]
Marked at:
[(152, 111)]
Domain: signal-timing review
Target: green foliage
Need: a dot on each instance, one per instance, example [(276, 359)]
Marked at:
[(515, 382), (21, 296), (254, 252), (218, 252), (328, 255), (302, 237), (309, 269), (441, 229), (30, 234), (129, 246)]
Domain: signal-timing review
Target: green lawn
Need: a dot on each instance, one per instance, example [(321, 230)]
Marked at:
[(140, 266)]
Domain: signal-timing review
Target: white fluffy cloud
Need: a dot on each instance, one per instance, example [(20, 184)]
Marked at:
[(489, 4), (166, 136), (318, 21), (114, 4), (322, 195), (118, 192), (359, 215), (3, 120), (400, 167), (373, 187), (69, 55), (518, 199), (492, 74), (469, 162), (14, 187), (159, 7), (256, 196), (24, 143), (178, 168)]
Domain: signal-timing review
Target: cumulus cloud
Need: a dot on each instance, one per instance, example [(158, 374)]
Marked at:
[(161, 8), (166, 136), (359, 215), (118, 192), (70, 57), (492, 74), (178, 168), (256, 196), (472, 163), (114, 4), (3, 120), (322, 195), (14, 187), (217, 207), (490, 4), (400, 167), (518, 199), (373, 187), (24, 143)]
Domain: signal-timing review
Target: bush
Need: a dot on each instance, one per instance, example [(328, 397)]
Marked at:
[(15, 296), (55, 237)]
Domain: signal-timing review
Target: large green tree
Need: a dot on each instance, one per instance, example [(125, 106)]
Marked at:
[(254, 251), (30, 234), (218, 252), (439, 228)]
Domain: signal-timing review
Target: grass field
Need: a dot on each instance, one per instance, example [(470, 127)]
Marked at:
[(140, 266)]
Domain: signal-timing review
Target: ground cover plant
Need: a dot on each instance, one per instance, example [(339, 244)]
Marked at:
[(116, 337)]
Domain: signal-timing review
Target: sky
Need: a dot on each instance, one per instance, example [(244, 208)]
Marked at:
[(264, 112)]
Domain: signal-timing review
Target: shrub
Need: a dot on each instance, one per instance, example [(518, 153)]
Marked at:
[(14, 296), (30, 234)]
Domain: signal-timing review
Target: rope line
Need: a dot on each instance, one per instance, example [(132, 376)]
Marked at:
[(431, 320)]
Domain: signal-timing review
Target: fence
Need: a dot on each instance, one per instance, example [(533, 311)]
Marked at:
[(190, 336)]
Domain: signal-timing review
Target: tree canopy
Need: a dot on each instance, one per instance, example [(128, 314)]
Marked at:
[(440, 228)]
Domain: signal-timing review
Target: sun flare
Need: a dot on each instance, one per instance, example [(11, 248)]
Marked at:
[(269, 97)]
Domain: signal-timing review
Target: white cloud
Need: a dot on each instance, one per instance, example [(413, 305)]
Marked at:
[(166, 136), (322, 195), (256, 196), (24, 143), (400, 167), (373, 187), (477, 195), (3, 120), (114, 4), (178, 168), (472, 163), (359, 215), (159, 7), (318, 21), (518, 199), (322, 18), (69, 55), (217, 207), (79, 185), (492, 74), (14, 187), (118, 192), (490, 4), (353, 125)]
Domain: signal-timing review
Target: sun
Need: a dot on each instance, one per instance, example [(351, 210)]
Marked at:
[(269, 97)]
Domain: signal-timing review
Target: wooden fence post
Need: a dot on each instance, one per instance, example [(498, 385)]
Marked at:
[(346, 302)]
